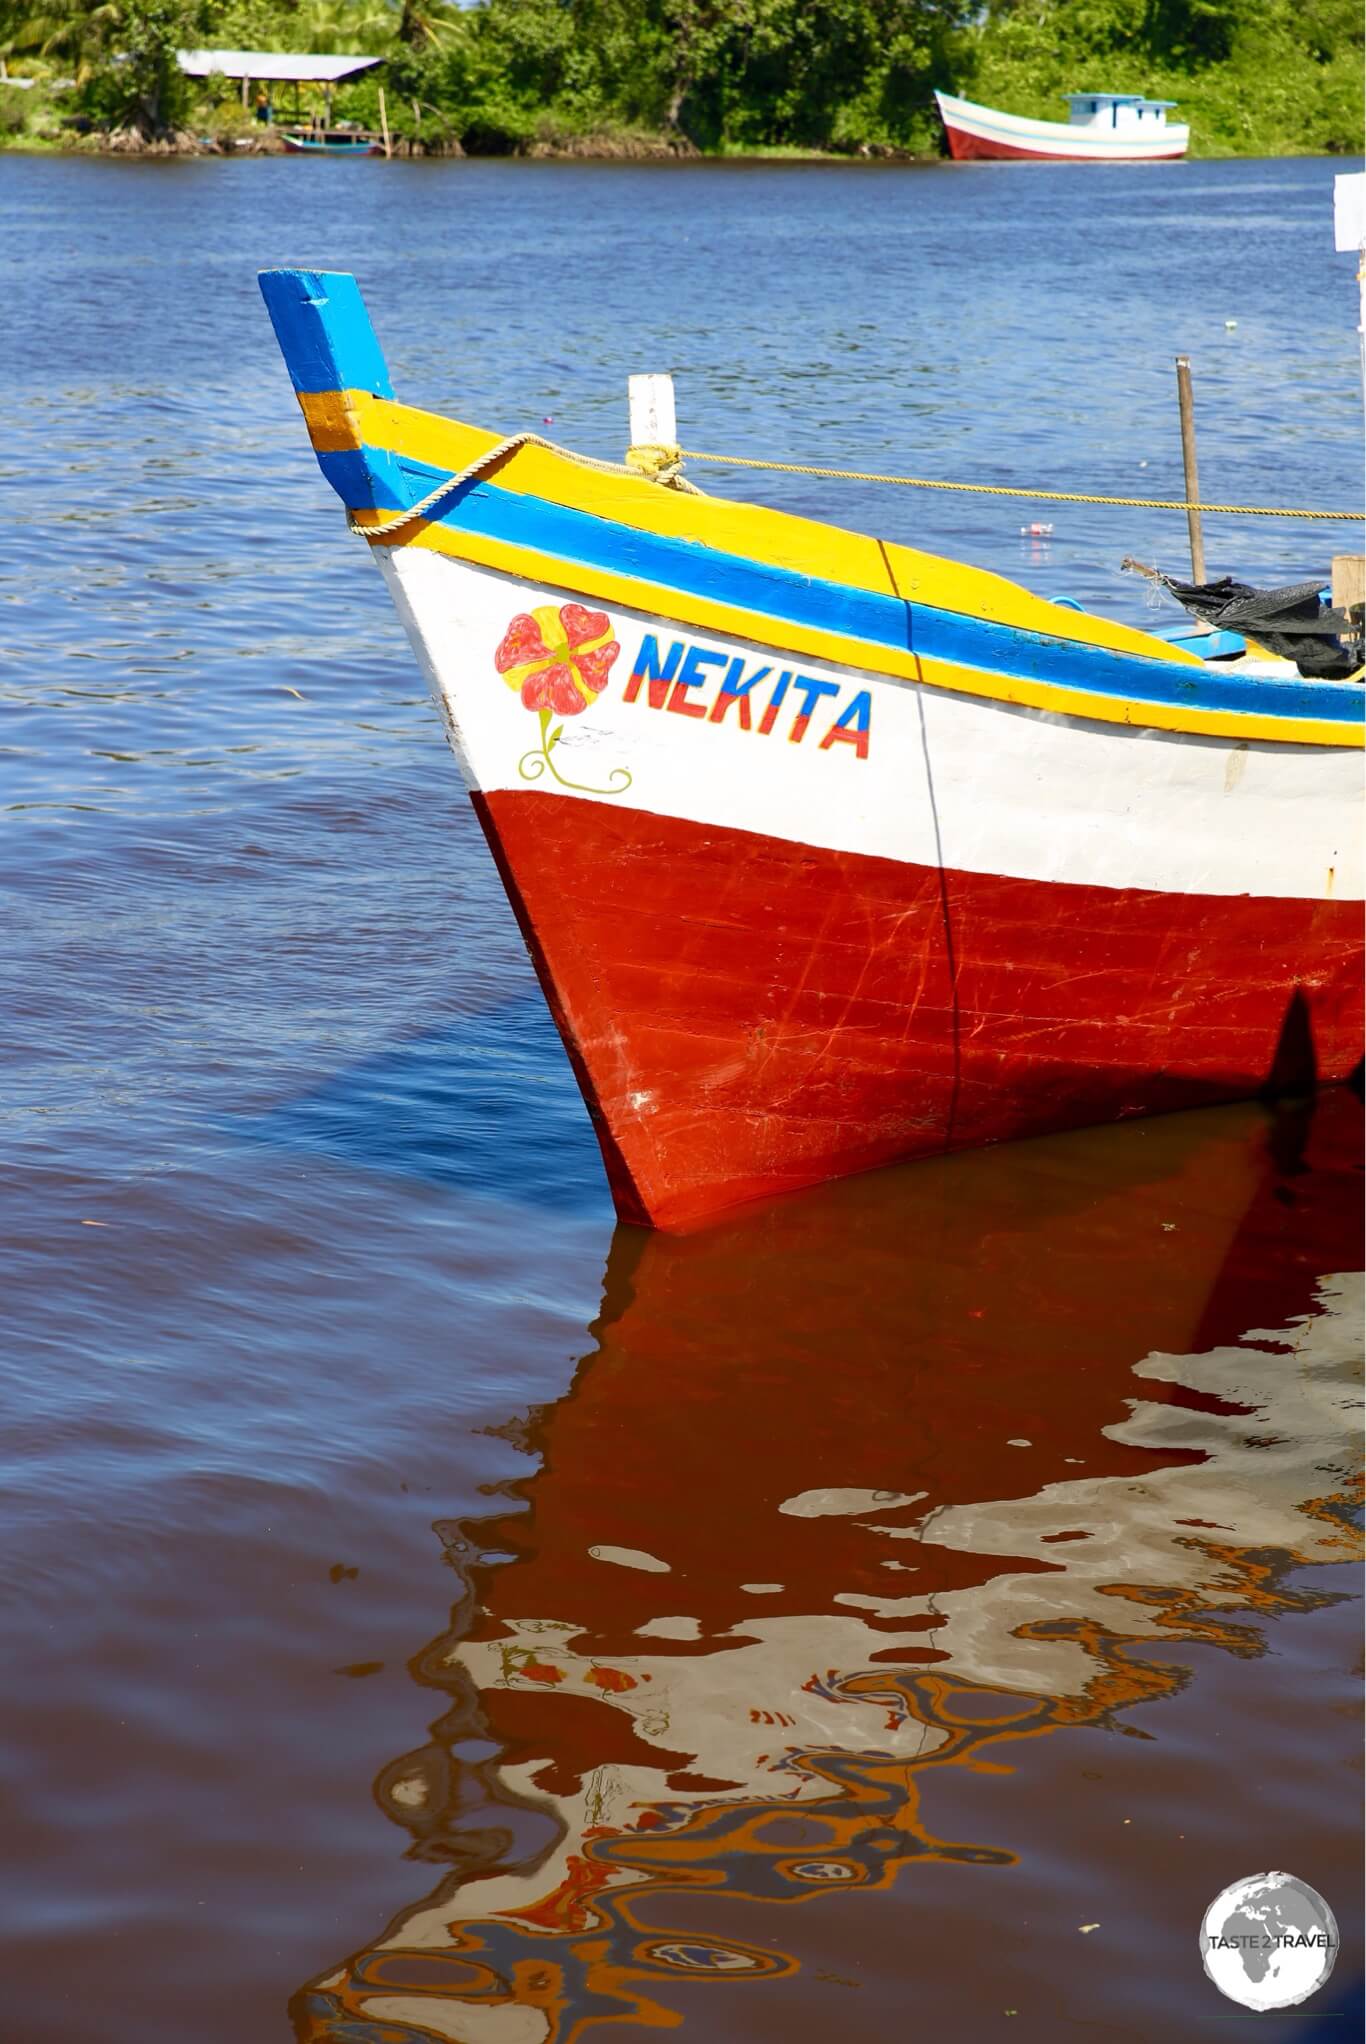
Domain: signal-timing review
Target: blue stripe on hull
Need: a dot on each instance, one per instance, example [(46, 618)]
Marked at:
[(329, 345), (369, 479), (931, 634)]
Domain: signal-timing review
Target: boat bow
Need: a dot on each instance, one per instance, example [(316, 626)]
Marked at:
[(828, 851)]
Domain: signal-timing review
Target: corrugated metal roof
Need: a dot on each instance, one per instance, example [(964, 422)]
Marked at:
[(270, 64)]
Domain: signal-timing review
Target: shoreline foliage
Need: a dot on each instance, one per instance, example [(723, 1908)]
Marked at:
[(682, 77)]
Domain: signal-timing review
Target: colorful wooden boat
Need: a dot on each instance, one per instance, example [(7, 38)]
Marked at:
[(1103, 127), (339, 143), (829, 852)]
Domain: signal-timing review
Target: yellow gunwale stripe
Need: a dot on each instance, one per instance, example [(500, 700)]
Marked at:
[(707, 615), (347, 421)]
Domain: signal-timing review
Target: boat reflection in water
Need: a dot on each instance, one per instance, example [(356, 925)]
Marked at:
[(854, 1490)]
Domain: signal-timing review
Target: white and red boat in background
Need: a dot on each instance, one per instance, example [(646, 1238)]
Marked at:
[(829, 852), (1103, 127)]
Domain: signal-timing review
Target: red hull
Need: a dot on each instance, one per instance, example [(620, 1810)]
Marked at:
[(965, 148), (747, 1015)]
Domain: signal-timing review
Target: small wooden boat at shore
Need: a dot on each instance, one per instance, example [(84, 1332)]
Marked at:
[(829, 852), (1103, 127), (331, 142)]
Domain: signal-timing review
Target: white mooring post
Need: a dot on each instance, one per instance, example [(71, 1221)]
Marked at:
[(653, 419), (1349, 238)]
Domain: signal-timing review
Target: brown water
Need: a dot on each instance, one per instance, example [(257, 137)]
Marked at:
[(892, 1582), (431, 1613)]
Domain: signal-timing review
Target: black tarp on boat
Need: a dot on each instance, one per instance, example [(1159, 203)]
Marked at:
[(1292, 622)]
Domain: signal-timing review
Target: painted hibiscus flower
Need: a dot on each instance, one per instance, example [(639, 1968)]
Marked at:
[(557, 657)]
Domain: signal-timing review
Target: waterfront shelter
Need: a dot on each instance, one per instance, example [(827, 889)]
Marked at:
[(271, 67)]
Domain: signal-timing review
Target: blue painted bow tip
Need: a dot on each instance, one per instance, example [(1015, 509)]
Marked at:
[(324, 331)]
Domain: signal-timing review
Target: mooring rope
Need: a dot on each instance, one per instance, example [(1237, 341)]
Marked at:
[(384, 527), (663, 465), (853, 475)]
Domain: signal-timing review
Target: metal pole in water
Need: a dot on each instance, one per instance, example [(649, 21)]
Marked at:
[(1183, 392)]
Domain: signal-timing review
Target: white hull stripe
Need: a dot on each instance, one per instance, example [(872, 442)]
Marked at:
[(851, 761)]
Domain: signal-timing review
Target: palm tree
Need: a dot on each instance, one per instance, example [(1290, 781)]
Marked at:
[(143, 34), (80, 36), (425, 21), (337, 26), (369, 25)]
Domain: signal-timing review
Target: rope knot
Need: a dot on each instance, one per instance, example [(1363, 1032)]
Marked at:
[(662, 464)]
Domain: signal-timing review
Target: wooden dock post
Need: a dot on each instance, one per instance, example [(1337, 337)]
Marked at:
[(1183, 393), (384, 123), (1348, 580), (654, 421)]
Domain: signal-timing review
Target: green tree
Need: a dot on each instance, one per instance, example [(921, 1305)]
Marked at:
[(425, 23), (82, 36), (153, 31), (1265, 75), (125, 51)]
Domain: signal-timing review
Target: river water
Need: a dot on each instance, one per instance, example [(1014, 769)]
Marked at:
[(430, 1613)]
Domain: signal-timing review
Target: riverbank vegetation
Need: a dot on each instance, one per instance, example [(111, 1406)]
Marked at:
[(681, 77)]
